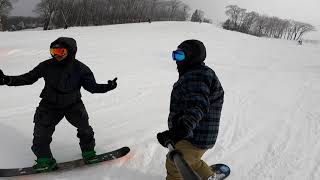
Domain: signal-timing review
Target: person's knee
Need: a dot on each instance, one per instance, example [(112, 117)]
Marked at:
[(42, 133), (190, 154), (85, 133)]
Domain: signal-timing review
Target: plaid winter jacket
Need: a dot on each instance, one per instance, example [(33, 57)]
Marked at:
[(197, 99)]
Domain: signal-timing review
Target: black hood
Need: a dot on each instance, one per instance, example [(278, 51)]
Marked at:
[(68, 43), (195, 55)]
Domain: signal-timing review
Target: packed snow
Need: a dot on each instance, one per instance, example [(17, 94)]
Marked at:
[(270, 124)]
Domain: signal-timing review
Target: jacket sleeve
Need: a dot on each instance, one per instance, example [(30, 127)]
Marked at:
[(27, 78), (196, 99), (88, 81)]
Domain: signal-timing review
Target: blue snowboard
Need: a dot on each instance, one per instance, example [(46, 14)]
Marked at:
[(222, 171)]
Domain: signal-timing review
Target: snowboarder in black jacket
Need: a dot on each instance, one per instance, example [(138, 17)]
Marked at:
[(64, 76), (195, 109)]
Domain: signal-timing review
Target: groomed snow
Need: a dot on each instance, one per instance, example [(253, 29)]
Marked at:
[(270, 125)]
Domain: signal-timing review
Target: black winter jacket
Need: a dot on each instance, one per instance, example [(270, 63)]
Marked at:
[(63, 79)]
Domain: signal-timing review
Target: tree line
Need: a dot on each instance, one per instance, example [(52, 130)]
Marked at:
[(64, 13), (54, 14), (261, 25)]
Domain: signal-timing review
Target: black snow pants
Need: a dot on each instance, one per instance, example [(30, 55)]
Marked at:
[(48, 116)]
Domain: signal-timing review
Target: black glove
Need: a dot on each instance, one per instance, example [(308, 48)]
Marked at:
[(112, 84), (174, 135), (3, 78), (164, 138)]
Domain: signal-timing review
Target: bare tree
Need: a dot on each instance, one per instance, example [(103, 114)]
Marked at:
[(234, 13), (259, 25), (174, 5), (301, 29), (65, 9), (282, 27), (248, 21), (241, 17), (46, 9), (154, 4)]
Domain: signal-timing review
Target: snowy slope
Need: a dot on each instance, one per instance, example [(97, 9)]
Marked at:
[(270, 126)]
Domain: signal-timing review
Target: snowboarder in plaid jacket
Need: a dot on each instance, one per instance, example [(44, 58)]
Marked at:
[(64, 76), (195, 109)]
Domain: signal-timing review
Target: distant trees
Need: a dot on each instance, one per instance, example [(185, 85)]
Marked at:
[(5, 8), (62, 13), (261, 25), (14, 23), (197, 16)]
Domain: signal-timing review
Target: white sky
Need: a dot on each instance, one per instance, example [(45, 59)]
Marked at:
[(300, 10), (24, 8)]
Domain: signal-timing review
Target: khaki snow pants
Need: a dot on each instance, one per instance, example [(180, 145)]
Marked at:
[(192, 155)]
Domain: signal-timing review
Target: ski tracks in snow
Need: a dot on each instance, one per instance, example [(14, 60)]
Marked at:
[(236, 130), (290, 154), (282, 142)]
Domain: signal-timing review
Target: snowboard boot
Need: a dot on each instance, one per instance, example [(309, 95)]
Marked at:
[(45, 165), (90, 157)]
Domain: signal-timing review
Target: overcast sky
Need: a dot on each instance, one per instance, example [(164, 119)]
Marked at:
[(24, 8), (300, 10)]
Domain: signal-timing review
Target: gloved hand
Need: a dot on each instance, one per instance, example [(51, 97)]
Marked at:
[(164, 138), (174, 135), (3, 78), (112, 84)]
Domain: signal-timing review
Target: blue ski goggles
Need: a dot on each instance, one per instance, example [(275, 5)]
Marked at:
[(178, 55)]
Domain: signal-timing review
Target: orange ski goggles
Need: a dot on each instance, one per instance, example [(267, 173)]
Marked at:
[(58, 51)]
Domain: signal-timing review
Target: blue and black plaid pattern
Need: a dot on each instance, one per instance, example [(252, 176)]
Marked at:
[(197, 98)]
